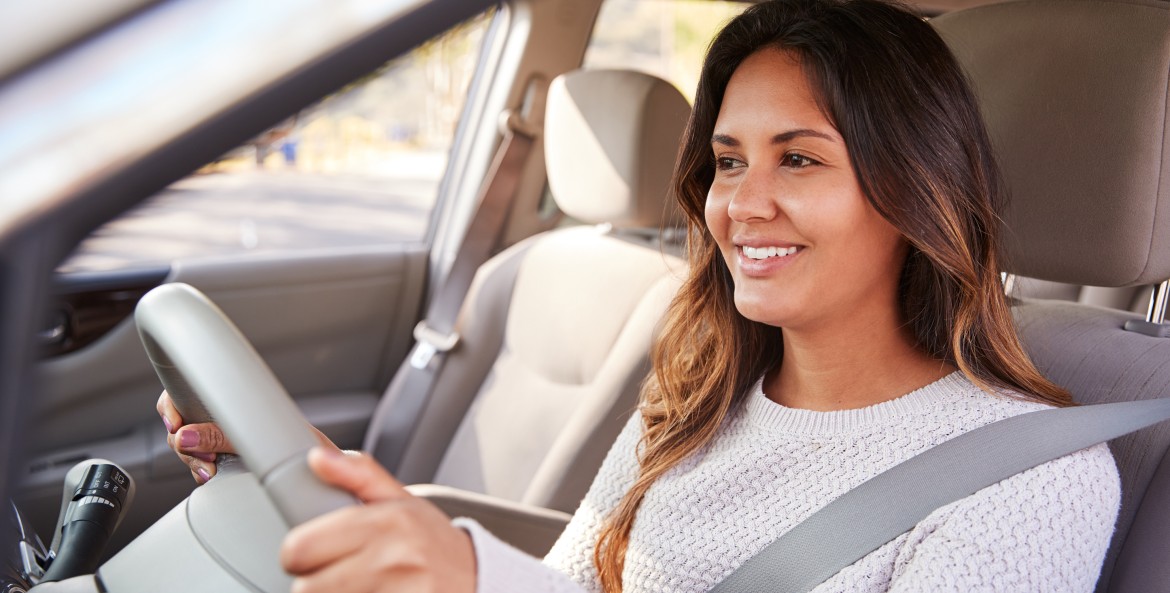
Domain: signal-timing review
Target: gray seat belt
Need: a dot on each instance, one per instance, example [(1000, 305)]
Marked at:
[(893, 502), (436, 335)]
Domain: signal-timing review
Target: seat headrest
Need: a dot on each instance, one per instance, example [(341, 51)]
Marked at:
[(1075, 97), (610, 140)]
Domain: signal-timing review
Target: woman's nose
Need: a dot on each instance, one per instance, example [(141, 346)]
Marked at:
[(754, 199)]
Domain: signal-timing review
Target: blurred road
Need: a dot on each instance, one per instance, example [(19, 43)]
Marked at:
[(262, 210)]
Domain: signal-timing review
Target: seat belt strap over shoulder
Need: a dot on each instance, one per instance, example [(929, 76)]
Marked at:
[(436, 335), (893, 502)]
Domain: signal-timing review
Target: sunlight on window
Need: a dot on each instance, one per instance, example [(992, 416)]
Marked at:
[(398, 119), (360, 167)]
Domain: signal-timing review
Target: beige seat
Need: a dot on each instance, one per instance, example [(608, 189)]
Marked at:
[(556, 331), (1076, 99)]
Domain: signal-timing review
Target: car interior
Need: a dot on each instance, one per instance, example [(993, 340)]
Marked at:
[(553, 337)]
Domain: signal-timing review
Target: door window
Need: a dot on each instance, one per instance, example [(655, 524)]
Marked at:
[(361, 166)]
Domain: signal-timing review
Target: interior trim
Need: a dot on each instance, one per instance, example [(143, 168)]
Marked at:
[(86, 307)]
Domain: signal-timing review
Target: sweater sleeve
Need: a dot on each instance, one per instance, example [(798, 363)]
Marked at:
[(1043, 530), (568, 567)]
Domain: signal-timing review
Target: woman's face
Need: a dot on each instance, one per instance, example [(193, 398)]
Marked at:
[(803, 244)]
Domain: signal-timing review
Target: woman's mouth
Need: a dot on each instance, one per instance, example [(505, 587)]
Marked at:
[(767, 252), (764, 260)]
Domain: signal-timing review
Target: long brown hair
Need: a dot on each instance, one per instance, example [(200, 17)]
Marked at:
[(923, 159)]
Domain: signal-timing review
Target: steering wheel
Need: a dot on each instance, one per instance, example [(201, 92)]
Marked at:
[(214, 374), (226, 536)]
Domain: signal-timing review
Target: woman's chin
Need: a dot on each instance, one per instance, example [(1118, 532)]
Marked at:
[(767, 311)]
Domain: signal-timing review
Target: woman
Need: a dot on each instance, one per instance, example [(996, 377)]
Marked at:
[(843, 313)]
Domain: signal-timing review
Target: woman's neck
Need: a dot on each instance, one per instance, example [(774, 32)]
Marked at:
[(855, 366)]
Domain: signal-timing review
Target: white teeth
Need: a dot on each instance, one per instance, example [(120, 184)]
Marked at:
[(766, 252)]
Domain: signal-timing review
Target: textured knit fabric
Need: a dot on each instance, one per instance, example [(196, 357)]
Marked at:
[(1045, 529)]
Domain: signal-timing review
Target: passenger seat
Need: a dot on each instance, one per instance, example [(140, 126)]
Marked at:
[(556, 330)]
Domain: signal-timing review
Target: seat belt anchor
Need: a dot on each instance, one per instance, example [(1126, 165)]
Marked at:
[(429, 343)]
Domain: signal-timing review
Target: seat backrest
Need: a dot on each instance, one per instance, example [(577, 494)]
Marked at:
[(556, 331), (1075, 97)]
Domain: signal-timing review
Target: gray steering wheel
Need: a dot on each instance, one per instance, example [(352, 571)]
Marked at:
[(214, 374)]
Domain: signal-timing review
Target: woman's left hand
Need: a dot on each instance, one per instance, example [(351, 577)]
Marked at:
[(395, 542)]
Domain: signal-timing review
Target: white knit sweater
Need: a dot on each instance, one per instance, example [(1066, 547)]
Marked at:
[(1045, 529)]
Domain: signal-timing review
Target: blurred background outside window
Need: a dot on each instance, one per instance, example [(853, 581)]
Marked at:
[(666, 38), (362, 166)]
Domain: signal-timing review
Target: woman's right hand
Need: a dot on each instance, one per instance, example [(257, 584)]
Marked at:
[(198, 445)]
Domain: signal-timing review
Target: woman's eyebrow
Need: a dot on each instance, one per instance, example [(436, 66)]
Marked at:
[(780, 138), (802, 132), (724, 140)]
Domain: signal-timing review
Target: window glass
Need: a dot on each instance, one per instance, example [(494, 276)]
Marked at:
[(666, 38), (361, 166)]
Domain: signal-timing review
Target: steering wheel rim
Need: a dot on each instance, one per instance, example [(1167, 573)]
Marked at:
[(213, 373)]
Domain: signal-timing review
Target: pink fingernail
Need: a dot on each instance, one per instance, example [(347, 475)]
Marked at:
[(189, 439), (170, 427), (208, 457), (203, 474)]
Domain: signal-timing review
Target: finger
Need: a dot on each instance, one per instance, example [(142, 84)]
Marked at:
[(201, 470), (387, 566), (358, 474), (202, 438), (173, 443), (167, 411), (201, 477), (323, 540)]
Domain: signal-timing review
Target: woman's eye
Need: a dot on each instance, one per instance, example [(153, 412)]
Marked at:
[(797, 161), (724, 163)]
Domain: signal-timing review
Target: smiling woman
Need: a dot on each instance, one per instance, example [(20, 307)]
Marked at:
[(843, 313)]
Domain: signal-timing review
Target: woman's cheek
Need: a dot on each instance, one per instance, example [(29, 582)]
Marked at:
[(718, 221)]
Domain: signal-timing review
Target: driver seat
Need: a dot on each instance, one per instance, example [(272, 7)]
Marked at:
[(1076, 101), (555, 333)]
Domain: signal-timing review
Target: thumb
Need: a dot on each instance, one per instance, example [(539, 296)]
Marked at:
[(202, 438), (358, 474)]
